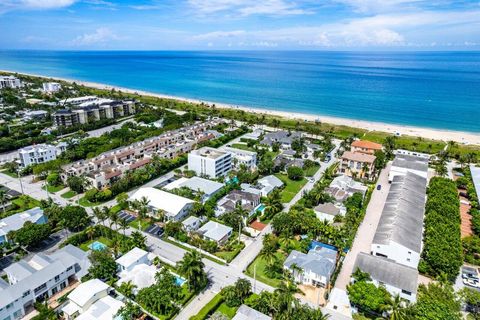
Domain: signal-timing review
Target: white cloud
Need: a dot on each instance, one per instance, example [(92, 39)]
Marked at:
[(219, 35), (101, 35), (9, 5), (248, 7)]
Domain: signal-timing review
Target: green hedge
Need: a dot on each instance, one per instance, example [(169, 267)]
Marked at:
[(209, 308), (442, 252)]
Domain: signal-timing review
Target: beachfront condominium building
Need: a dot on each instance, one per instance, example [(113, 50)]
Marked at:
[(9, 82), (404, 163), (36, 154), (357, 165), (51, 87), (243, 157), (210, 162), (400, 229), (364, 146), (90, 109), (39, 278)]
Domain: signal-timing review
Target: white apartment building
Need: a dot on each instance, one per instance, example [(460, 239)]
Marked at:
[(243, 157), (210, 162), (397, 278), (35, 154), (9, 82), (408, 162), (39, 278), (51, 87), (400, 229)]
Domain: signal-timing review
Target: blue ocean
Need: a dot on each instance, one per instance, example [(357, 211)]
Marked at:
[(426, 89)]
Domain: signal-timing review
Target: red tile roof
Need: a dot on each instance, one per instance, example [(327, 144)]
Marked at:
[(366, 145)]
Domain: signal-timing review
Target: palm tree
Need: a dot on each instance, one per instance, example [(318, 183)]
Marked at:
[(127, 289), (286, 299), (123, 225), (396, 308), (156, 261), (90, 232), (268, 254), (143, 207), (191, 266), (114, 219), (3, 197), (441, 169)]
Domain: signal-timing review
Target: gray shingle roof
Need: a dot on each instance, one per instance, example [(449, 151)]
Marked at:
[(247, 313), (320, 261), (402, 216), (328, 208), (411, 162), (388, 271)]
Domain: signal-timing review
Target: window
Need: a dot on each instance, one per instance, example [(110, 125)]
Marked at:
[(57, 278), (40, 288), (26, 293), (9, 305), (408, 259), (408, 293), (69, 268)]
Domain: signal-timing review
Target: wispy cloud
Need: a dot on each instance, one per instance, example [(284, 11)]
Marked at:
[(10, 5), (248, 7), (101, 35)]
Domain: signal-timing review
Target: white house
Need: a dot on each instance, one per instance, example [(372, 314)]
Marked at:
[(264, 186), (210, 162), (243, 157), (404, 163), (397, 278), (317, 266), (91, 300), (35, 154), (399, 232), (343, 187), (328, 211), (215, 231), (16, 221), (207, 187), (51, 87), (132, 258), (247, 313), (40, 277), (10, 82), (175, 207), (192, 223)]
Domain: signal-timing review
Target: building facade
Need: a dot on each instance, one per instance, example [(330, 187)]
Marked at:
[(36, 154), (9, 82), (355, 164), (210, 162), (51, 87)]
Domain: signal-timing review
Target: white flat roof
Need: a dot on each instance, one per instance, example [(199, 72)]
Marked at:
[(170, 203), (175, 184), (131, 257), (86, 290), (214, 230), (105, 308)]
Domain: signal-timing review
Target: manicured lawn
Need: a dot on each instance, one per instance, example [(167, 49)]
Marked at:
[(242, 146), (10, 173), (291, 187), (311, 171), (190, 249), (144, 223), (84, 202), (230, 255), (116, 208), (105, 241), (21, 204), (54, 189), (209, 308), (69, 194), (260, 272), (228, 311)]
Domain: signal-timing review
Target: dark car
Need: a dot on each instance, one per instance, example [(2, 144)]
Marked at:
[(379, 187)]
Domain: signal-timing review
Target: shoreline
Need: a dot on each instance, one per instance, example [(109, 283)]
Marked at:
[(427, 133)]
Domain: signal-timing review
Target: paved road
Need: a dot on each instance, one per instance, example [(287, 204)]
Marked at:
[(364, 236)]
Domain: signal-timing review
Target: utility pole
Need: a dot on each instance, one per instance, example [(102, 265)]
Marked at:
[(20, 179), (255, 278)]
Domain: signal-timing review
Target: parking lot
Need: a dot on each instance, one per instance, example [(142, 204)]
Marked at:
[(126, 216), (154, 230)]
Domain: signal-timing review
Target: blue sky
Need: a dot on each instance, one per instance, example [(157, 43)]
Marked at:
[(240, 24)]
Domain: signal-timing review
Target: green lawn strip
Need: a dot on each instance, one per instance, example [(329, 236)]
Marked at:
[(190, 249), (85, 246), (69, 194), (144, 223), (21, 204), (260, 271), (230, 255), (209, 308), (227, 311), (242, 146), (291, 187), (309, 172), (10, 173), (85, 203), (53, 189), (116, 208)]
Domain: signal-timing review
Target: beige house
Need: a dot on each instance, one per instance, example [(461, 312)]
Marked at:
[(356, 164), (364, 146)]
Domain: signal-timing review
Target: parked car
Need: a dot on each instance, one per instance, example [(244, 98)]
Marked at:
[(379, 187)]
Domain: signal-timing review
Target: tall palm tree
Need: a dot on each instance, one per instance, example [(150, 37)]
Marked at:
[(90, 232), (286, 299), (127, 289), (3, 197), (123, 225), (191, 266), (396, 308), (114, 219)]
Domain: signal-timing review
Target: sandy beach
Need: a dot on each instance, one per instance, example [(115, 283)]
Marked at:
[(428, 133)]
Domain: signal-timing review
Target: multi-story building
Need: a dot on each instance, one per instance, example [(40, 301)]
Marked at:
[(364, 146), (90, 109), (400, 229), (243, 157), (210, 162), (9, 82), (404, 163), (356, 164), (109, 166), (16, 222), (39, 278), (36, 154), (51, 87)]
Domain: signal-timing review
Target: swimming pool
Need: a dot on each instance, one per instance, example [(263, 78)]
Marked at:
[(179, 281), (97, 246), (260, 208)]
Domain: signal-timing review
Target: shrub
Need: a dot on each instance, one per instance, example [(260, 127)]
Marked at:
[(295, 173)]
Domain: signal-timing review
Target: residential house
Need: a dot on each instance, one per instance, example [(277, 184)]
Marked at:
[(192, 223), (404, 163), (343, 187), (313, 268), (207, 188), (400, 229), (248, 201), (215, 231), (16, 221), (283, 138), (51, 87), (132, 258), (247, 313), (264, 186), (242, 157), (174, 207), (364, 146), (10, 82), (39, 278), (36, 154), (92, 300), (283, 162), (356, 164), (210, 162), (36, 115), (397, 278), (328, 211)]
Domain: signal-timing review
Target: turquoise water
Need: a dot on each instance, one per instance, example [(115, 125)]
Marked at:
[(261, 207), (97, 246), (428, 89), (179, 281)]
